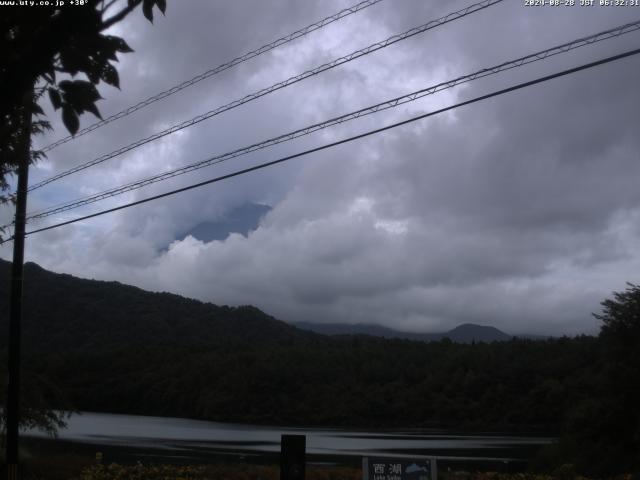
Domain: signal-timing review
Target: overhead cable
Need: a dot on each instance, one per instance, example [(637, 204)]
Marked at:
[(394, 102), (340, 142), (220, 68), (285, 83)]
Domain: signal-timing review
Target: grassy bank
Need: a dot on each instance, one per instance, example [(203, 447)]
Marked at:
[(265, 472), (202, 472), (77, 466), (45, 459)]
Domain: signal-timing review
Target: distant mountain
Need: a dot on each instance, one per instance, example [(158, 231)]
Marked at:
[(465, 333), (357, 329), (243, 220), (469, 332)]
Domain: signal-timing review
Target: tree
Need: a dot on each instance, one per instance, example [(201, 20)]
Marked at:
[(63, 53), (40, 44), (38, 393), (621, 320), (603, 430), (620, 338)]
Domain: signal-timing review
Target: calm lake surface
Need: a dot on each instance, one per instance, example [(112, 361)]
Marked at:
[(183, 438)]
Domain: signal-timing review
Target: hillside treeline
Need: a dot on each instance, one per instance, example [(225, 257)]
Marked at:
[(519, 385)]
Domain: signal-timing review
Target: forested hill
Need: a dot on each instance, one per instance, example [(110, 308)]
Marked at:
[(104, 346), (66, 312), (63, 312), (113, 347)]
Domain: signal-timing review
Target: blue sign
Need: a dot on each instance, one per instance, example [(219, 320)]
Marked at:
[(375, 468)]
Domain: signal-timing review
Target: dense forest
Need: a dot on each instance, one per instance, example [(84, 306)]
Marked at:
[(104, 346)]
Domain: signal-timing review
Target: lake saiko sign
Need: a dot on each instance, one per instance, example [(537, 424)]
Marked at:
[(376, 468)]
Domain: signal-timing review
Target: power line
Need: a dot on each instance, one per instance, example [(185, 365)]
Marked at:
[(534, 57), (346, 140), (285, 83), (220, 68)]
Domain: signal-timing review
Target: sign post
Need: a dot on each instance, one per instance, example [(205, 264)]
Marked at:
[(292, 457)]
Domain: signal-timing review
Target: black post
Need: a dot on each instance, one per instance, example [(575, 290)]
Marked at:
[(292, 457), (15, 305)]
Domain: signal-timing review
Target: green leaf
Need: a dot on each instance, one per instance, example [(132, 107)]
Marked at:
[(147, 9), (93, 72), (83, 91), (110, 75), (79, 96), (93, 109), (70, 119), (35, 108), (109, 53), (66, 85), (118, 43), (72, 60), (55, 98)]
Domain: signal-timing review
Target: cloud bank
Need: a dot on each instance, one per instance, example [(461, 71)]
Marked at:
[(521, 212)]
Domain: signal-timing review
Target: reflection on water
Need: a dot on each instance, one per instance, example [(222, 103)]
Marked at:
[(183, 434)]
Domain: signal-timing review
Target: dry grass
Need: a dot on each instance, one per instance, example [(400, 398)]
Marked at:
[(209, 472), (257, 472)]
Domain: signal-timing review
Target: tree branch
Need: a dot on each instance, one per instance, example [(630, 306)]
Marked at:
[(107, 6), (120, 15)]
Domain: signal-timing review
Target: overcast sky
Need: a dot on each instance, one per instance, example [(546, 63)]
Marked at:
[(521, 212)]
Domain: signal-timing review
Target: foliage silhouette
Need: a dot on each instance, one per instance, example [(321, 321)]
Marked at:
[(39, 45)]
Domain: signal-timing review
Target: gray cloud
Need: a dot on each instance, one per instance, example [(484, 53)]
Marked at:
[(521, 212)]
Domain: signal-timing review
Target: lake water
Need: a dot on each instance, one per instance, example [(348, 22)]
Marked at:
[(183, 438)]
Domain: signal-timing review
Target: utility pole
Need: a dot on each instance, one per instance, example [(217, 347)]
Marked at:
[(15, 305)]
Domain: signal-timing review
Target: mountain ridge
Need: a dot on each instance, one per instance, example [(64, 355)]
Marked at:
[(66, 312), (464, 333), (109, 312)]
